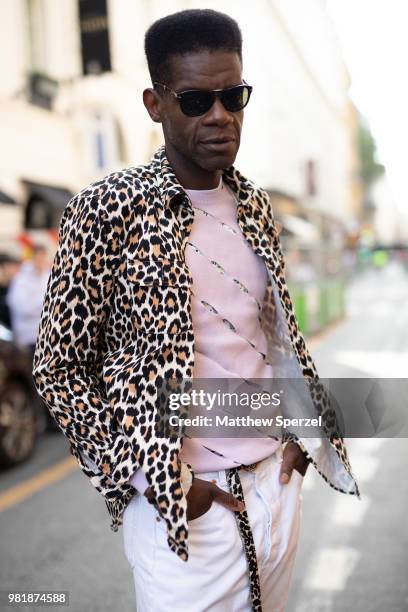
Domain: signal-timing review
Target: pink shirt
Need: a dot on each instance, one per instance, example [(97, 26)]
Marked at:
[(229, 278)]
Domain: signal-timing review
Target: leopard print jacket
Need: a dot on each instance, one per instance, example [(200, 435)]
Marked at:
[(117, 318)]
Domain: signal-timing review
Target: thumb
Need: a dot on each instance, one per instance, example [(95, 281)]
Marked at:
[(285, 472)]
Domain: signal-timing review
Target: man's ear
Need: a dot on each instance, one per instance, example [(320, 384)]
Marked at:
[(153, 104)]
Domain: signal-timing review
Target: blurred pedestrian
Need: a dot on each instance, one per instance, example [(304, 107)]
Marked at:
[(8, 269), (25, 297)]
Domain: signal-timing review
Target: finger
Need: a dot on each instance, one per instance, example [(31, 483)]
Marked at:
[(227, 500), (285, 472)]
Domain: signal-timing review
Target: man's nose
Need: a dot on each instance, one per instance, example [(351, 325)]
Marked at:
[(218, 113)]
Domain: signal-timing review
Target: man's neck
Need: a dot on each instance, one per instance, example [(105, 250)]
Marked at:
[(189, 175)]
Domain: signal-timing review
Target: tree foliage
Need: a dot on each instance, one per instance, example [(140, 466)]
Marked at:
[(370, 168)]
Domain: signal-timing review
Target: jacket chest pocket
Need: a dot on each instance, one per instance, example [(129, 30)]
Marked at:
[(160, 290)]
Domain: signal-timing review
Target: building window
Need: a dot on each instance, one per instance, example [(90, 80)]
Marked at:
[(41, 88), (38, 214), (105, 145), (94, 26), (36, 23)]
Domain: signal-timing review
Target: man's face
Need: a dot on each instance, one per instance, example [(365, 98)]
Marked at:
[(191, 137)]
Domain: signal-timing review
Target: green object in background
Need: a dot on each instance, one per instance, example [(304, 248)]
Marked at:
[(330, 305), (324, 308), (298, 296), (332, 301), (380, 258), (335, 300)]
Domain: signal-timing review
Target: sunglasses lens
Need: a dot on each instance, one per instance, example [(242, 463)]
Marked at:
[(236, 98), (196, 103)]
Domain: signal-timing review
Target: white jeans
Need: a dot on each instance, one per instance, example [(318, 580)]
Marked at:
[(215, 577)]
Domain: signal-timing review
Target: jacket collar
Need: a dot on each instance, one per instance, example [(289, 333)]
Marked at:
[(171, 189)]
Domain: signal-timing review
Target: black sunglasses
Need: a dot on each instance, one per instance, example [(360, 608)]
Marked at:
[(196, 102)]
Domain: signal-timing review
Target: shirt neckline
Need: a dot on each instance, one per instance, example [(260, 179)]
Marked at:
[(205, 191)]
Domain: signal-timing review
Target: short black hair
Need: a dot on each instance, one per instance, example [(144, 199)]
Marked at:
[(187, 32)]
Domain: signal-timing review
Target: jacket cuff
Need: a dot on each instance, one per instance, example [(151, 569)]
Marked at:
[(187, 476)]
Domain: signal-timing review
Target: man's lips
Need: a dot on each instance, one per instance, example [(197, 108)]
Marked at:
[(218, 144), (221, 140)]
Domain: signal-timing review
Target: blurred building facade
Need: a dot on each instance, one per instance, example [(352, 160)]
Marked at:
[(71, 108)]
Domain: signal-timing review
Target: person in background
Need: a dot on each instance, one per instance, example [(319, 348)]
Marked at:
[(25, 297), (8, 269)]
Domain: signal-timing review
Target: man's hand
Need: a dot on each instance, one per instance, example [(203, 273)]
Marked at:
[(149, 494), (293, 458), (200, 497), (203, 493)]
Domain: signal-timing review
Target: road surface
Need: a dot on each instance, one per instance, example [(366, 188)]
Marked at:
[(353, 555)]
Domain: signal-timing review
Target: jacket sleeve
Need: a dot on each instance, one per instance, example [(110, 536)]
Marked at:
[(68, 349)]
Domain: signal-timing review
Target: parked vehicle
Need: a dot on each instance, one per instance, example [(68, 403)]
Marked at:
[(22, 413)]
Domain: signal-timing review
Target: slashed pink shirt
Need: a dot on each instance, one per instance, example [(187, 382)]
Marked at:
[(229, 282)]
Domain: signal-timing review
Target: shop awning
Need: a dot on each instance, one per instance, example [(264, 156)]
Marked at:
[(45, 205), (6, 199), (300, 228), (56, 196)]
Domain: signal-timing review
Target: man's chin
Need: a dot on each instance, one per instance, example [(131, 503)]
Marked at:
[(217, 162)]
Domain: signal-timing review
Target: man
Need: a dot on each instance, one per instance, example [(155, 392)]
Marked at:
[(144, 254)]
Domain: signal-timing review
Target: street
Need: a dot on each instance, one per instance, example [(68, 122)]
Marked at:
[(352, 554)]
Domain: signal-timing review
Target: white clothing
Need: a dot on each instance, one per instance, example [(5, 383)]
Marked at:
[(25, 299), (215, 577)]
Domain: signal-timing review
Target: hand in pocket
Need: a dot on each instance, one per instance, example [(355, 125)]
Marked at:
[(203, 493)]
